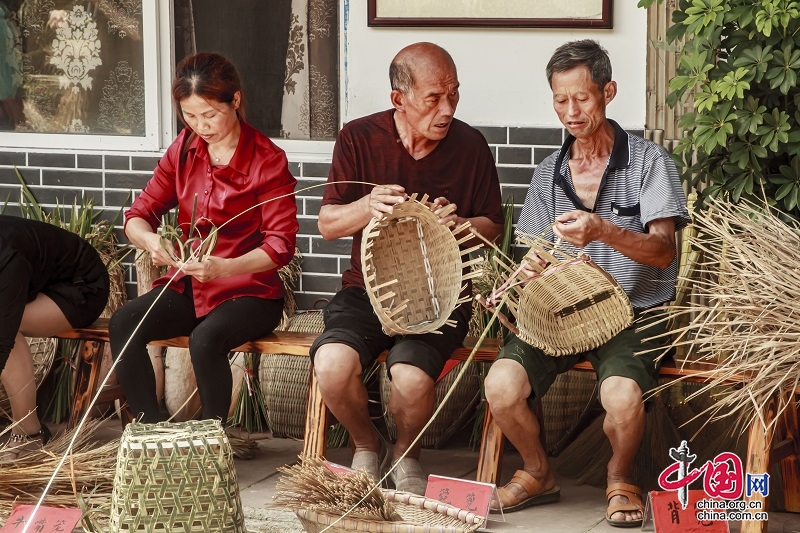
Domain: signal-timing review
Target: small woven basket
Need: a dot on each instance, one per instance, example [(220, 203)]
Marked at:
[(176, 478), (284, 381), (420, 515), (572, 307), (43, 350), (413, 268)]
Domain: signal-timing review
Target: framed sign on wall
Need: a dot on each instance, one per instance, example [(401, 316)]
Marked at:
[(502, 13)]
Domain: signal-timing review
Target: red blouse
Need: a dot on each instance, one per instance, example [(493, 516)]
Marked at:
[(227, 197)]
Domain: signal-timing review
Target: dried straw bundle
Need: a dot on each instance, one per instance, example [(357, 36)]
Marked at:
[(570, 306), (88, 470), (313, 486), (744, 316), (414, 270)]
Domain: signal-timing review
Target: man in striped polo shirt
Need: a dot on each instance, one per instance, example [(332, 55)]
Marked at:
[(617, 198)]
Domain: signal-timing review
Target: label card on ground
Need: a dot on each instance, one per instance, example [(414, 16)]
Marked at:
[(472, 496), (45, 520), (667, 515)]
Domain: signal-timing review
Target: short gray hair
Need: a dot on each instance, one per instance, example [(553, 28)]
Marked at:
[(587, 53)]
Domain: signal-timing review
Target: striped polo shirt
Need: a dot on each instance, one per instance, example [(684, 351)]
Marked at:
[(640, 184)]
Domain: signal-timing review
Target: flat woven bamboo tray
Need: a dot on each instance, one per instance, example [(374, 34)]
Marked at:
[(284, 381), (43, 350), (176, 478), (420, 515), (413, 268)]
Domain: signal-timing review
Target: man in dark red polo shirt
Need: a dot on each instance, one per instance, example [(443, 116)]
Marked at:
[(415, 147)]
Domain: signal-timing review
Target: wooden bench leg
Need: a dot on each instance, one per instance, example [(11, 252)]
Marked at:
[(316, 433), (790, 466), (759, 445), (490, 459), (87, 376)]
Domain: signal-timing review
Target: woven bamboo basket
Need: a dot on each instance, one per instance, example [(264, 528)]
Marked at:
[(460, 407), (176, 478), (570, 306), (420, 515), (413, 268), (565, 406), (43, 351), (284, 381)]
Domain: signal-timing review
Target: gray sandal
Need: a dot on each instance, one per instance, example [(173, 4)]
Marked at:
[(18, 446)]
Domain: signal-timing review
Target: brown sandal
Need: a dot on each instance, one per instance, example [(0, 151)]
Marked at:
[(634, 494), (537, 495)]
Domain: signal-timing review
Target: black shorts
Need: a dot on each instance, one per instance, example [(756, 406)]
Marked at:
[(350, 320)]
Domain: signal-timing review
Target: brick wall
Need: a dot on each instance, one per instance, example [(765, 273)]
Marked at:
[(112, 180)]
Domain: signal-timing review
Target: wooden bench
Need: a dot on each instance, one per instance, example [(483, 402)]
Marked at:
[(761, 450)]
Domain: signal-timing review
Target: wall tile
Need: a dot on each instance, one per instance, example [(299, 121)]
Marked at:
[(12, 158), (494, 134), (316, 170), (515, 175), (514, 155), (539, 136), (144, 163), (323, 265), (339, 246), (90, 161), (116, 180), (308, 226), (318, 283), (66, 178), (118, 162), (66, 160)]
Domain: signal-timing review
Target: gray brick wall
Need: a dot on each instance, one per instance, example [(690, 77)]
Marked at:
[(114, 180)]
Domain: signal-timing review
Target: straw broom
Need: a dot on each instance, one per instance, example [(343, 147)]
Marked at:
[(311, 485)]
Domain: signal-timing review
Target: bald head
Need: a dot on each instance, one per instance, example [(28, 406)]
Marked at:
[(415, 58)]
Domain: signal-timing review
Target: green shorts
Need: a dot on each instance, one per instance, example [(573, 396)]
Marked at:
[(614, 358)]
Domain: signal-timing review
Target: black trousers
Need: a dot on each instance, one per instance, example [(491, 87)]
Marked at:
[(211, 338)]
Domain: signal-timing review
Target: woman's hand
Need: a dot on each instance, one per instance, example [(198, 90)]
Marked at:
[(157, 253), (212, 268)]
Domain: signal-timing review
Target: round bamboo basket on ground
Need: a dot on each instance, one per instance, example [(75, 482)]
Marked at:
[(413, 268), (460, 407), (420, 515), (565, 406), (43, 351), (174, 478), (284, 381)]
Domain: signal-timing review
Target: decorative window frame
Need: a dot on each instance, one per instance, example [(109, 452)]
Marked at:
[(160, 120)]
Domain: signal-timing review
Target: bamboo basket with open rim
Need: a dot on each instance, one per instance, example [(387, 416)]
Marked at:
[(570, 306), (174, 478), (414, 270)]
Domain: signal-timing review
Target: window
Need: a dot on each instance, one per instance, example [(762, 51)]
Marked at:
[(78, 68), (96, 74), (286, 52)]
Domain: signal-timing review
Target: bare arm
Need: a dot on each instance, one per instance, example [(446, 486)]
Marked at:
[(336, 221), (654, 248)]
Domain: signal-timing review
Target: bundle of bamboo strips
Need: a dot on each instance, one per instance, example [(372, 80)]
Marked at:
[(311, 485), (744, 316), (88, 471)]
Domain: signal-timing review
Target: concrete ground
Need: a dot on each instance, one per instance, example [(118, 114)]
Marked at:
[(581, 508)]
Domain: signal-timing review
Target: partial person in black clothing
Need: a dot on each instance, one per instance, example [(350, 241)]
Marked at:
[(51, 280)]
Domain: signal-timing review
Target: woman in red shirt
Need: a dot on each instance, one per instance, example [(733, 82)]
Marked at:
[(221, 171)]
